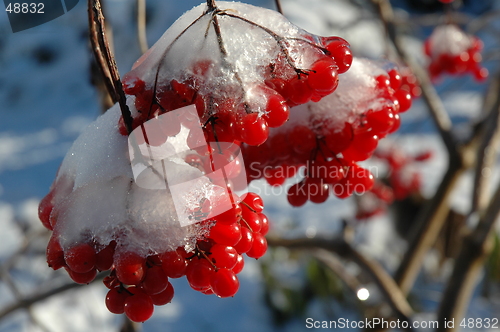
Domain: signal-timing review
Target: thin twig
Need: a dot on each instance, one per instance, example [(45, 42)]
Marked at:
[(485, 153), (279, 9), (29, 301), (385, 283), (334, 264), (98, 55), (431, 97), (96, 21), (141, 25)]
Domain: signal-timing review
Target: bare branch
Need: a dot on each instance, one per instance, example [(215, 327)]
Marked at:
[(278, 6), (29, 301), (386, 284), (141, 25), (434, 103), (469, 264), (106, 58), (487, 134)]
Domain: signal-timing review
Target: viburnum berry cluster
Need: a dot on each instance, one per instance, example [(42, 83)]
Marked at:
[(163, 200), (453, 51), (402, 180), (329, 137), (243, 73)]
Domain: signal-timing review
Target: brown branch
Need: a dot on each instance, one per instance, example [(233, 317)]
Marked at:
[(279, 9), (141, 25), (27, 302), (430, 220), (469, 265), (333, 263), (434, 103), (432, 217), (106, 59), (129, 326), (487, 133), (384, 282)]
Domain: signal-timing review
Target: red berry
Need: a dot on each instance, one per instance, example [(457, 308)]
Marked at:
[(254, 201), (251, 219), (362, 147), (45, 209), (227, 234), (115, 300), (155, 280), (253, 129), (264, 223), (139, 307), (224, 283), (223, 256), (82, 278), (55, 254), (104, 258), (245, 242), (164, 297), (198, 273), (324, 77), (338, 140), (80, 258), (130, 268), (339, 50), (240, 263), (259, 246), (404, 99), (277, 111), (297, 195), (173, 264)]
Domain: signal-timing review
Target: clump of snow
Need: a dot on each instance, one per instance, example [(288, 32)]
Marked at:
[(356, 94), (449, 39), (226, 52), (96, 196)]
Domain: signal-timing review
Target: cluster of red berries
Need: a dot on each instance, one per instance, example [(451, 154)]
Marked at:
[(248, 114), (402, 181), (454, 52), (139, 282), (329, 155)]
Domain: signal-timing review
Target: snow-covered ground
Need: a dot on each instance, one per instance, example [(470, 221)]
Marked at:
[(47, 100)]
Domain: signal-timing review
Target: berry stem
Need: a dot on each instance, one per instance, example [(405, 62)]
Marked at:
[(211, 5)]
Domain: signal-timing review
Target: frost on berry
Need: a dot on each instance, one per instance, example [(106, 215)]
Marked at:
[(330, 136), (453, 51), (242, 66)]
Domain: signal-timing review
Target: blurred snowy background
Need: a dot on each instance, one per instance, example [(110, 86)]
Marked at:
[(47, 98)]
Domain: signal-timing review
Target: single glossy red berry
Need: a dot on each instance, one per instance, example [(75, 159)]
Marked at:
[(224, 283), (139, 307), (80, 258)]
